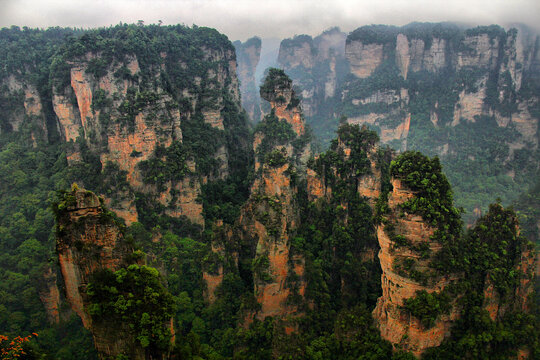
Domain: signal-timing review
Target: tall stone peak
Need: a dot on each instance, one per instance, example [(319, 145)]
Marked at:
[(248, 55), (91, 247), (278, 90)]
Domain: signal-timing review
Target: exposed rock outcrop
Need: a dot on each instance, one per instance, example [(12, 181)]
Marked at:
[(22, 106), (363, 58), (49, 295), (94, 255), (315, 65), (248, 55), (125, 112), (89, 240), (393, 125), (488, 55), (395, 323), (271, 214)]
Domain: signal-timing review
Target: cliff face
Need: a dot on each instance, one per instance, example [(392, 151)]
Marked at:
[(88, 240), (248, 55), (22, 105), (271, 214), (268, 221), (107, 284), (436, 88), (130, 114), (315, 65), (395, 323), (488, 55), (427, 262), (500, 301), (49, 294), (363, 59)]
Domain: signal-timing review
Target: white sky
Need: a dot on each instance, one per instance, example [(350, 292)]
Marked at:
[(241, 19)]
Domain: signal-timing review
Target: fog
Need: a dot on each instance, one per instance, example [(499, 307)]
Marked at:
[(241, 19)]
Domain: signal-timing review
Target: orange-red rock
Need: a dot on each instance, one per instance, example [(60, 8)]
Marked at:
[(395, 324)]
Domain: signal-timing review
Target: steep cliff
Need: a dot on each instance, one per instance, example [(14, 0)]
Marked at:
[(299, 253), (138, 113), (149, 117), (316, 66), (427, 263), (88, 241), (25, 99), (406, 247), (248, 55), (91, 247), (271, 214), (439, 89)]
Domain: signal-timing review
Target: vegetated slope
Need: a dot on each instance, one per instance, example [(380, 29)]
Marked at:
[(149, 117), (469, 96), (277, 256)]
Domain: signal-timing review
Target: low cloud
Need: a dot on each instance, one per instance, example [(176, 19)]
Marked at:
[(241, 19)]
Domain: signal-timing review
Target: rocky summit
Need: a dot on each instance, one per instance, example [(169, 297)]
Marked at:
[(157, 203)]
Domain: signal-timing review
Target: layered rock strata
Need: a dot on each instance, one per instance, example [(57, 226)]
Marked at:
[(248, 55), (315, 65), (271, 215), (396, 324), (88, 240), (490, 57)]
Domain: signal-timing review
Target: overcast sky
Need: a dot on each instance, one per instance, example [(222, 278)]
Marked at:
[(241, 19)]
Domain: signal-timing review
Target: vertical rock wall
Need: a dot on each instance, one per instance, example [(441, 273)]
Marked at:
[(396, 324), (248, 55), (88, 240)]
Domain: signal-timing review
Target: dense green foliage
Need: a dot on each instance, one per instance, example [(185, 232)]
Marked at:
[(433, 200), (276, 80), (274, 132), (487, 255), (32, 174), (133, 298), (491, 250), (28, 182), (166, 165), (476, 153), (427, 306), (386, 35), (335, 235)]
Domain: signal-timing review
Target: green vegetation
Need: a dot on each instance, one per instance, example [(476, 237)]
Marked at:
[(274, 132), (428, 306), (374, 34), (493, 31), (360, 142), (276, 80), (33, 172), (276, 158), (297, 41), (491, 250), (166, 164), (335, 236), (29, 177), (133, 297), (475, 153), (386, 35), (433, 200)]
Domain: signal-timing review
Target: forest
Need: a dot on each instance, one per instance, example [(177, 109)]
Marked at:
[(185, 70)]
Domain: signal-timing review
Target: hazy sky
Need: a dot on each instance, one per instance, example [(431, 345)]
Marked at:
[(241, 19)]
